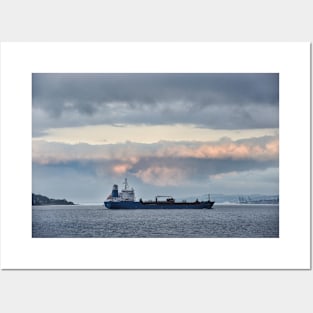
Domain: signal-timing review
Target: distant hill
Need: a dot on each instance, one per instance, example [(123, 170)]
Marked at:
[(43, 200)]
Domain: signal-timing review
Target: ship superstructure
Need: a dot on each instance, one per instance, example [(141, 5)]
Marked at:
[(126, 194)]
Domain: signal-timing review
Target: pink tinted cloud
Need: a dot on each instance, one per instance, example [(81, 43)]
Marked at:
[(263, 148), (161, 175)]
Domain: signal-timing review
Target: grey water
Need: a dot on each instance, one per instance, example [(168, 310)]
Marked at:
[(223, 221)]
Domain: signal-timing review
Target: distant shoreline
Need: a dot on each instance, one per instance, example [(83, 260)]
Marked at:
[(43, 200)]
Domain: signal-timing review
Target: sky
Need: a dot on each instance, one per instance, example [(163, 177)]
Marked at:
[(179, 134)]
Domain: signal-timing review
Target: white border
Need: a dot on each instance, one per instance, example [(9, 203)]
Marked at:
[(290, 251)]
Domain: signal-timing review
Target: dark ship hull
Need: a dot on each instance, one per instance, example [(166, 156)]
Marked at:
[(122, 205)]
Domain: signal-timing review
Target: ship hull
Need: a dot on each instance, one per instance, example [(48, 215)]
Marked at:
[(127, 205)]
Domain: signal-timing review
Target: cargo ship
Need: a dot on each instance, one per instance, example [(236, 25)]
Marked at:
[(126, 200)]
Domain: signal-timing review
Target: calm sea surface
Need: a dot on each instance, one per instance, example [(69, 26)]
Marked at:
[(82, 221)]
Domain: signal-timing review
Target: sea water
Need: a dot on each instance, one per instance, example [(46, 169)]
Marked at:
[(91, 221)]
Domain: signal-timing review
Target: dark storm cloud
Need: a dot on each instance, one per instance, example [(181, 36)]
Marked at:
[(229, 101)]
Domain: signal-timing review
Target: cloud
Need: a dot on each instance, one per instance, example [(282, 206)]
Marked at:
[(85, 91), (257, 148), (192, 169), (162, 176), (221, 101), (164, 163), (121, 168), (262, 148), (84, 181), (108, 134)]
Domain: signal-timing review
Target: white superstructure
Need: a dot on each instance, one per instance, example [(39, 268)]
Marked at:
[(126, 194)]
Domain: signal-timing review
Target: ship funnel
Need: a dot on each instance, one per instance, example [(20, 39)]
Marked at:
[(115, 191)]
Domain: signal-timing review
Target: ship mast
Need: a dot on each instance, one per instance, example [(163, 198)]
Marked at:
[(125, 184)]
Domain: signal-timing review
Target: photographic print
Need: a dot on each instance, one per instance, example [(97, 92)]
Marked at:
[(155, 155)]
